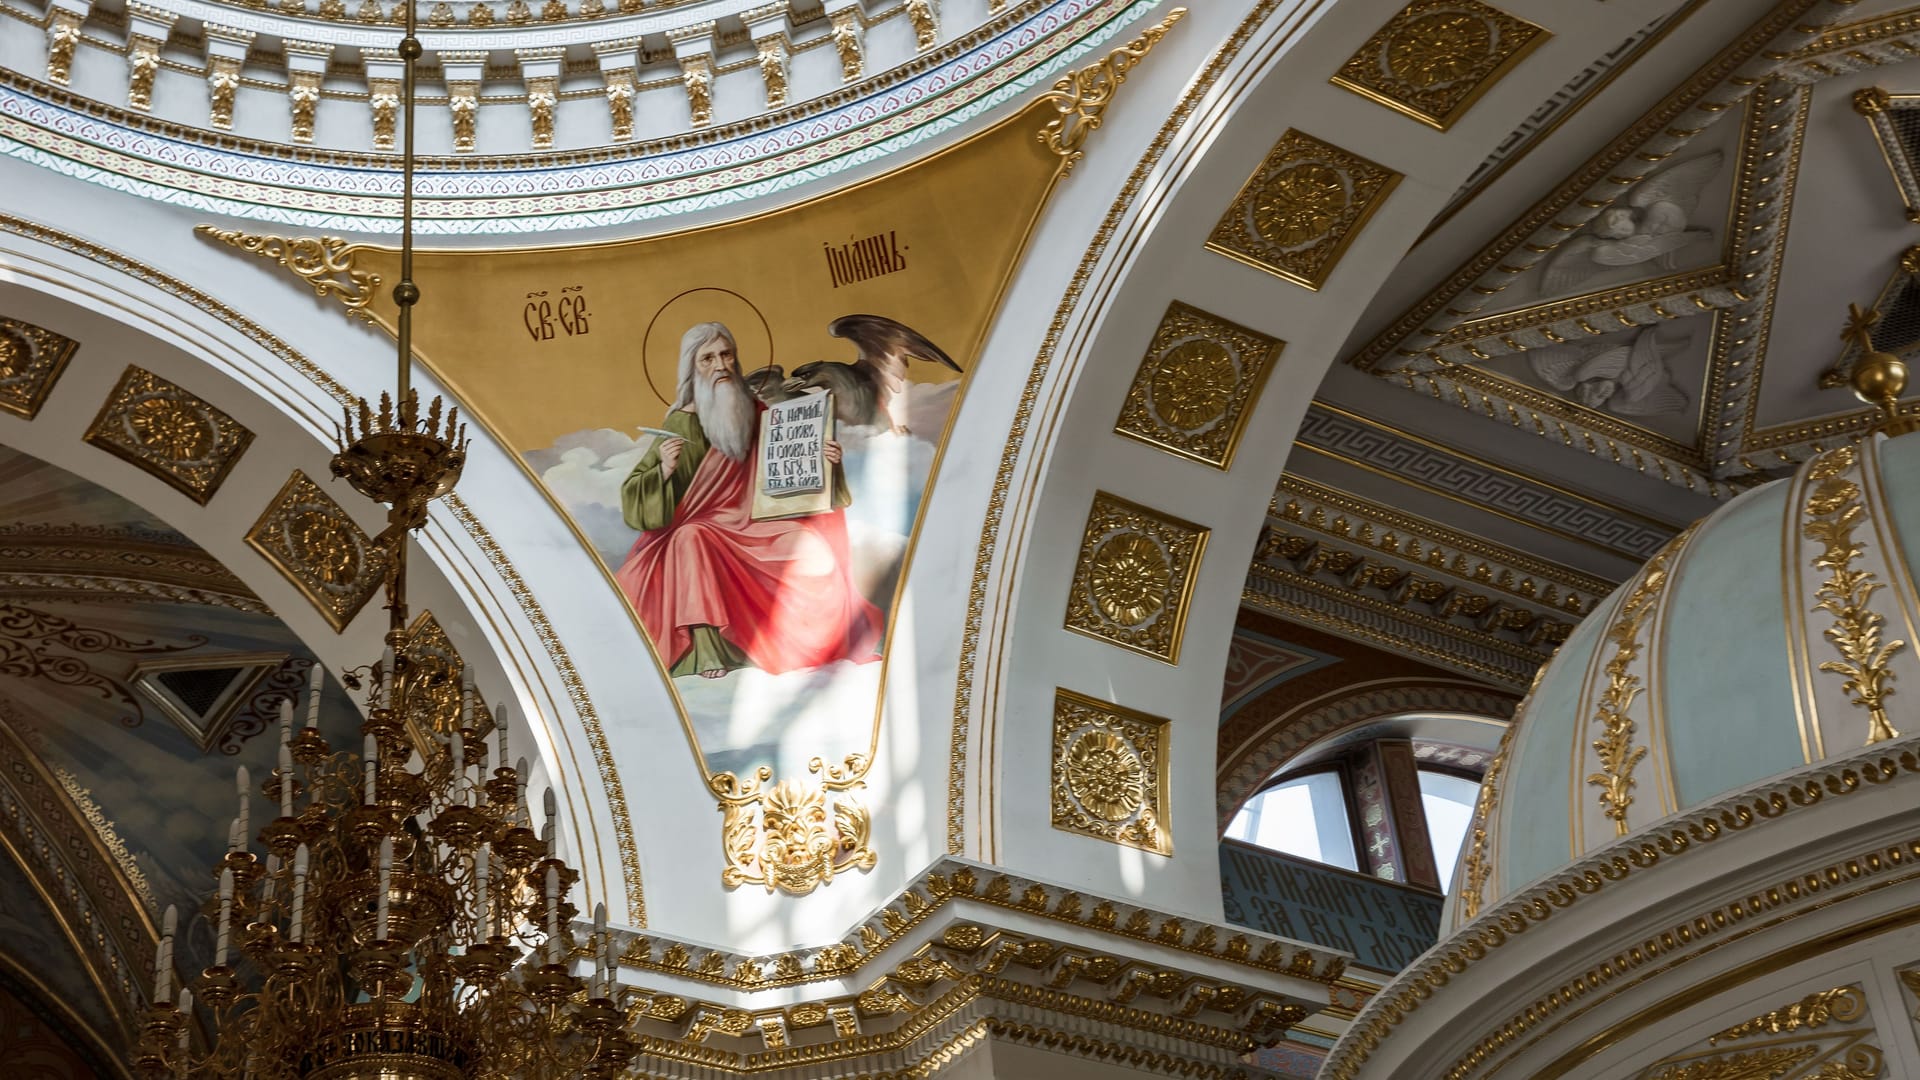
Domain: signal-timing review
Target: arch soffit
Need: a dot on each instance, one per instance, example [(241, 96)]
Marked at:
[(127, 310), (1246, 93)]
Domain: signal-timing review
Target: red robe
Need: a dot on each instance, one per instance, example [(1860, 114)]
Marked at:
[(777, 590)]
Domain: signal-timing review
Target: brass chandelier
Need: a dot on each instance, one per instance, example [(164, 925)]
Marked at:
[(406, 922)]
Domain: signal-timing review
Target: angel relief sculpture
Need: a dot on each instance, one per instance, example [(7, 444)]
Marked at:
[(1650, 232), (1631, 379)]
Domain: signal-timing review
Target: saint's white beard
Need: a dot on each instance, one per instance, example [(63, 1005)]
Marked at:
[(727, 416)]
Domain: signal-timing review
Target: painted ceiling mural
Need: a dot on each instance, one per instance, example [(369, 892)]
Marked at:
[(741, 422), (126, 704)]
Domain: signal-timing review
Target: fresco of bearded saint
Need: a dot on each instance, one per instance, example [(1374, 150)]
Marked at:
[(716, 589)]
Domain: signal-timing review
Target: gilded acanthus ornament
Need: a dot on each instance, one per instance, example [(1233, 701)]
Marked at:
[(1300, 209), (543, 93), (63, 33), (303, 95), (326, 263), (1110, 772), (696, 74), (463, 101), (620, 91), (1842, 1003), (160, 427), (926, 24), (1129, 578), (518, 13), (441, 14), (143, 61), (31, 360), (480, 15), (1615, 748), (1081, 97), (223, 80), (1435, 58), (772, 58), (1196, 385), (1834, 509), (320, 549), (383, 97), (797, 834), (847, 42), (1134, 575)]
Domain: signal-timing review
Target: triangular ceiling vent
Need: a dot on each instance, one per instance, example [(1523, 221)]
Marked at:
[(203, 695)]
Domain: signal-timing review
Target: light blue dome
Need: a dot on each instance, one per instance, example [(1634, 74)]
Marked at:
[(1778, 631)]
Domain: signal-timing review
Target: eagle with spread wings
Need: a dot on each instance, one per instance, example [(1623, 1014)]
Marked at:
[(874, 385)]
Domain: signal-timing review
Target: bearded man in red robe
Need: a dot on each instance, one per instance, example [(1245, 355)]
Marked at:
[(716, 589)]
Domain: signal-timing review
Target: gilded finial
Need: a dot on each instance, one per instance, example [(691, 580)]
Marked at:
[(1878, 378)]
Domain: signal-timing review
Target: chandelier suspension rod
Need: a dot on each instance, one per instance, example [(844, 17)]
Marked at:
[(406, 293)]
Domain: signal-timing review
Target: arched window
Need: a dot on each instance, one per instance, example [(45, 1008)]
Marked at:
[(1303, 815), (1448, 800)]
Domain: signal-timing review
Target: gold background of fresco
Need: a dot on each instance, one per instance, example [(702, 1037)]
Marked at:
[(955, 218), (959, 221)]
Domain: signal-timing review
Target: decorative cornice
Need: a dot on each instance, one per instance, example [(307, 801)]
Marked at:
[(94, 561), (1417, 462), (1612, 868), (971, 969), (800, 144)]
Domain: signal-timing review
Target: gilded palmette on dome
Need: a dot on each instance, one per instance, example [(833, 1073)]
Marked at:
[(406, 922)]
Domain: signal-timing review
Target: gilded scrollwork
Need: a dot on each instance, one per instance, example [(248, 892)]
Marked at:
[(31, 360), (324, 262), (1435, 58), (1110, 773), (434, 675), (1477, 863), (1134, 576), (1842, 1003), (167, 431), (798, 834), (320, 549), (1081, 97), (1196, 385), (1834, 509), (1300, 209), (1615, 746)]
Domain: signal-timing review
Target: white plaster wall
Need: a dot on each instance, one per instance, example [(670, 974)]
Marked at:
[(1278, 80)]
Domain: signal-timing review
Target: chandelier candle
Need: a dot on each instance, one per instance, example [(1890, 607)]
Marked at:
[(296, 924), (313, 696), (240, 829), (483, 919), (163, 957), (226, 918), (386, 886), (370, 754)]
